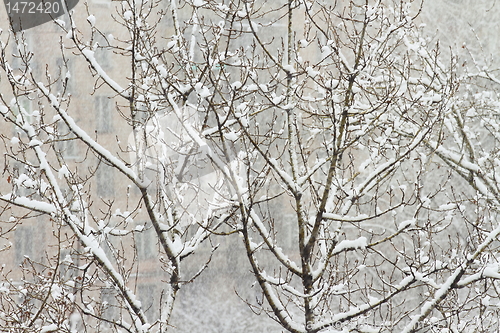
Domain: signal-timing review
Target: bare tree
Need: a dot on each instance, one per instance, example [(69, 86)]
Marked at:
[(111, 197), (332, 137)]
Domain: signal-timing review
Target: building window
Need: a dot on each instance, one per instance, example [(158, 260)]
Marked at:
[(64, 70), (16, 62), (110, 310), (146, 244), (22, 106), (25, 46), (290, 232), (102, 52), (104, 117), (25, 183), (67, 268), (105, 181), (24, 240), (284, 224), (67, 147), (146, 293), (102, 57), (66, 144), (21, 109)]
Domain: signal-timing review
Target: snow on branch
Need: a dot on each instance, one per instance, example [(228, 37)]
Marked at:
[(491, 271), (290, 183), (82, 231), (204, 147), (278, 253), (60, 205), (451, 282), (362, 309), (349, 245), (91, 143), (39, 206), (479, 180), (278, 308), (89, 55), (458, 159)]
